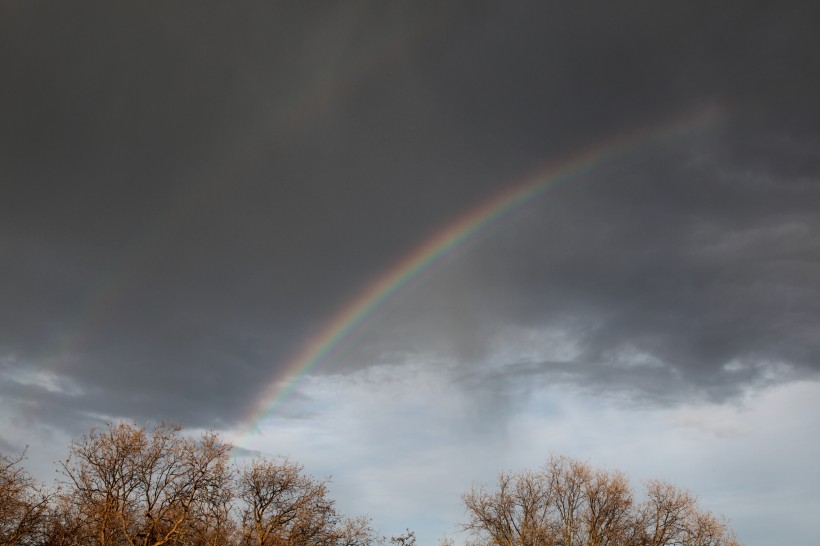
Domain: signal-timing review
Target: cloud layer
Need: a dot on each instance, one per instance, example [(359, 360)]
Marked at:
[(188, 196)]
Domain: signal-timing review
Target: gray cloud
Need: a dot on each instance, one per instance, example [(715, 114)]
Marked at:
[(188, 195), (706, 269)]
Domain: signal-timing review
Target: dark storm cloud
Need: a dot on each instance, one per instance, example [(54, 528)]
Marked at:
[(188, 193), (707, 271)]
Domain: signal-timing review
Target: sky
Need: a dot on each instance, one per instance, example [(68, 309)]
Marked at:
[(410, 245)]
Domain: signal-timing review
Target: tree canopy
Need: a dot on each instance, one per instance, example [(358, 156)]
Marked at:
[(126, 485), (570, 503)]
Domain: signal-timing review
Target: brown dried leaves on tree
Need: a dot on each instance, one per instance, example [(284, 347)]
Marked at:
[(125, 485), (23, 505), (569, 503), (131, 486)]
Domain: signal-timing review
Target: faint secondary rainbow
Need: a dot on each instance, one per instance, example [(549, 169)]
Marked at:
[(444, 241)]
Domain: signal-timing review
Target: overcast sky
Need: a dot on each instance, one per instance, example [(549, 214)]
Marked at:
[(190, 191)]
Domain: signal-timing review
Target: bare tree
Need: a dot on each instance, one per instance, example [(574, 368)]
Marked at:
[(663, 517), (607, 508), (282, 506), (570, 503), (670, 516), (566, 478), (212, 516), (65, 526), (133, 486), (706, 529), (408, 538), (519, 513), (592, 506), (23, 505), (356, 531), (126, 485)]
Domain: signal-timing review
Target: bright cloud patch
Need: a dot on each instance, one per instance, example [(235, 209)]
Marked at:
[(409, 439)]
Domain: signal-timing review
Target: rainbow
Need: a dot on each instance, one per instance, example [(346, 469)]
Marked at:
[(456, 233)]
